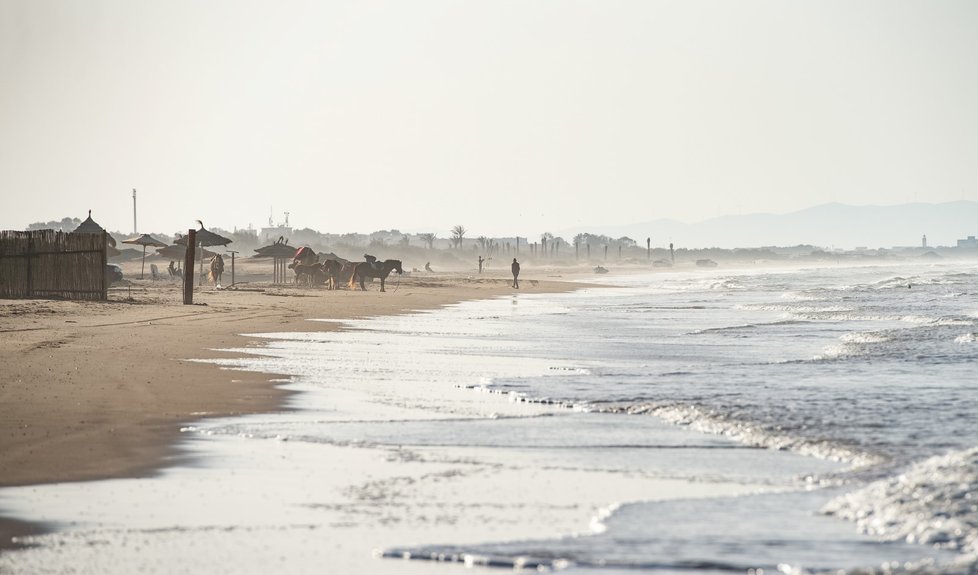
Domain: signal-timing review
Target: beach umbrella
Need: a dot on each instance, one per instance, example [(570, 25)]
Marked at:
[(179, 251), (145, 240), (275, 251), (205, 238), (280, 252)]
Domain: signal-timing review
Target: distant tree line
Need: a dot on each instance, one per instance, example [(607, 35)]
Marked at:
[(62, 225)]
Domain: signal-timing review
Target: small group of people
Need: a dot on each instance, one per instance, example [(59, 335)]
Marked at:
[(515, 267)]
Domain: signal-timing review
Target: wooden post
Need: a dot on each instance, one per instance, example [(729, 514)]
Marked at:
[(104, 260), (30, 266), (188, 268), (232, 267), (201, 280)]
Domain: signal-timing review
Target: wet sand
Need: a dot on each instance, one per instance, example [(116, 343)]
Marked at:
[(100, 390)]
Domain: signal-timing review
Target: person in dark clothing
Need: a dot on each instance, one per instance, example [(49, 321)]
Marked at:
[(516, 273)]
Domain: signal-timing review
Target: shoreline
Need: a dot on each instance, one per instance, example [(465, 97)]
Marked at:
[(98, 390)]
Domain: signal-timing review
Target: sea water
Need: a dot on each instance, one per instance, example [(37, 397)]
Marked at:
[(842, 401)]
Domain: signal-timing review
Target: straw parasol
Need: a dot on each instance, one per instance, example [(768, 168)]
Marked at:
[(145, 240), (205, 238), (280, 252), (179, 251)]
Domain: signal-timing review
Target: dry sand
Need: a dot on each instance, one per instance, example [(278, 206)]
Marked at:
[(97, 390)]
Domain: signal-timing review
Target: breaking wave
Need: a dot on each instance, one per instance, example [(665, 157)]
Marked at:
[(753, 434), (934, 502)]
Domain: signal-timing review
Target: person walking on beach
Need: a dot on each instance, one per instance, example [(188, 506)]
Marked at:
[(516, 273), (480, 264)]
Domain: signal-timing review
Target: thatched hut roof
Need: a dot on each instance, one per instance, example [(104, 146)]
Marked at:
[(276, 250), (90, 227)]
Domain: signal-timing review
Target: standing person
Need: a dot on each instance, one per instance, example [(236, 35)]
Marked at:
[(480, 264), (516, 273)]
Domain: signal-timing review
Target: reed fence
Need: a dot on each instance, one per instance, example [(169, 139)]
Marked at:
[(48, 264)]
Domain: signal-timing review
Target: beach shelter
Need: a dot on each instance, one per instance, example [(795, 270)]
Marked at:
[(281, 253), (177, 252), (205, 238), (145, 240), (90, 227)]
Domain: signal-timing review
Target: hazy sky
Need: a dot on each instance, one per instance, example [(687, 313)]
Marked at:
[(504, 116)]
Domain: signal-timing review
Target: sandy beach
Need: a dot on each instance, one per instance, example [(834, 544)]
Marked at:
[(124, 391), (95, 390)]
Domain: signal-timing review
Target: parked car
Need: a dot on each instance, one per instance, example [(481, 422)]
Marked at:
[(113, 273)]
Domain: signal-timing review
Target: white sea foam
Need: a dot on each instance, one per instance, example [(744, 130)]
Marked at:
[(935, 502), (967, 338), (598, 522)]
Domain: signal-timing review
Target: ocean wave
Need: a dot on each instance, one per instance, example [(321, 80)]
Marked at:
[(752, 434), (865, 337), (803, 296), (934, 502), (967, 338), (796, 309), (783, 322), (853, 344)]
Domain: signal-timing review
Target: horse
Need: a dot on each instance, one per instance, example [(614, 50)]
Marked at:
[(304, 255), (217, 268), (379, 270), (333, 270), (312, 273)]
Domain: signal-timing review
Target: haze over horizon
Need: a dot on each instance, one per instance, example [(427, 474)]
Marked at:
[(506, 117)]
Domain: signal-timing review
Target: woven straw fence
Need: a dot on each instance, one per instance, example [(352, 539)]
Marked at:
[(52, 265)]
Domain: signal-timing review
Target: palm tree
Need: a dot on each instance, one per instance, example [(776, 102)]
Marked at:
[(458, 234), (544, 238), (428, 239)]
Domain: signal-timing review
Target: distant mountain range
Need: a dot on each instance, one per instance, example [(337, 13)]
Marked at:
[(828, 225)]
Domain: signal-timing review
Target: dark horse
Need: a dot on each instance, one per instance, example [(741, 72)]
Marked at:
[(333, 270), (377, 270)]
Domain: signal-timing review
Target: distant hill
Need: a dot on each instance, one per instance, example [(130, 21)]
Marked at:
[(828, 225)]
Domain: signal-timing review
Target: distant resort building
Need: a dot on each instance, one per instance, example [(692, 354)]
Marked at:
[(971, 242), (274, 232)]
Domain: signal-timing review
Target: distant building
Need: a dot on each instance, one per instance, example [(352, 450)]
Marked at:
[(971, 242), (274, 232)]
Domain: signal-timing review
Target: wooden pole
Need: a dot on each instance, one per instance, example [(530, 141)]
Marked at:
[(188, 268), (232, 266), (104, 260)]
